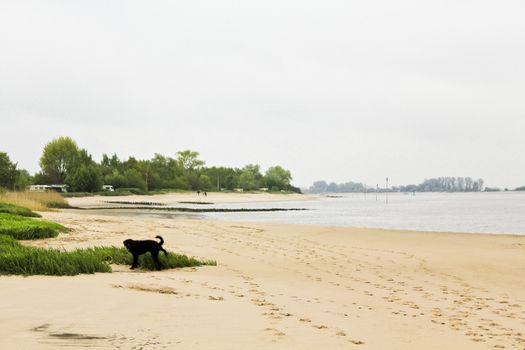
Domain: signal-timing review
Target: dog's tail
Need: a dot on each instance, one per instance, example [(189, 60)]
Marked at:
[(161, 240)]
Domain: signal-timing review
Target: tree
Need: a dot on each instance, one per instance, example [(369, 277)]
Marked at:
[(222, 177), (189, 160), (23, 180), (7, 171), (205, 182), (110, 166), (250, 177), (278, 178), (319, 187), (85, 179), (468, 184), (59, 158), (332, 187), (133, 178), (481, 183)]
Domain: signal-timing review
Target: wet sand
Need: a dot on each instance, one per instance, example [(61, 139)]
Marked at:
[(275, 287)]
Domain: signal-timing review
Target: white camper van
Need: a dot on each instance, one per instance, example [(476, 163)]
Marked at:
[(108, 188)]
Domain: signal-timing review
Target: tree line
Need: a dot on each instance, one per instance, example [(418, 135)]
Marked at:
[(63, 162), (440, 184)]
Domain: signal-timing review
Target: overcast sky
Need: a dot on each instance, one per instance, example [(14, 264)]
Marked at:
[(331, 90)]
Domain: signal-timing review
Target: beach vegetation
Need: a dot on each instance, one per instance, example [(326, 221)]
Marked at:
[(8, 208), (17, 259), (36, 201), (26, 228)]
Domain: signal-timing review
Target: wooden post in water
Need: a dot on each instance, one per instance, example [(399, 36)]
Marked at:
[(386, 190)]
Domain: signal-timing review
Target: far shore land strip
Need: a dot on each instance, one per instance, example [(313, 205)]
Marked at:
[(275, 286)]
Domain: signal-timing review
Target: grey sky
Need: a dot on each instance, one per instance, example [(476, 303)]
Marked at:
[(333, 90)]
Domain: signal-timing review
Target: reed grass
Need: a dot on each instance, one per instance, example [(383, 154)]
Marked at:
[(16, 259), (36, 201)]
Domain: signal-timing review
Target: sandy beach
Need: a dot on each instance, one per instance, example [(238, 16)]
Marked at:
[(275, 287)]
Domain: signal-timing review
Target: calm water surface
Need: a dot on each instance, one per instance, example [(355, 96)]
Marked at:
[(499, 212)]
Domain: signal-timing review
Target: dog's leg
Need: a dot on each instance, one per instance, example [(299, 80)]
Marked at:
[(135, 261), (155, 256), (164, 250)]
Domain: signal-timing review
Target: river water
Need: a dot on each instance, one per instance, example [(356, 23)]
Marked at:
[(483, 212)]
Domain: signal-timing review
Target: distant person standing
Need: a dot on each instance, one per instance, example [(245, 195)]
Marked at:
[(205, 194), (198, 193)]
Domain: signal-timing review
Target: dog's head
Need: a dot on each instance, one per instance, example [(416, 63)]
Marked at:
[(128, 243)]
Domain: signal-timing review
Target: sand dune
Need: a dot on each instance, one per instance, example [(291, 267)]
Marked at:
[(276, 287)]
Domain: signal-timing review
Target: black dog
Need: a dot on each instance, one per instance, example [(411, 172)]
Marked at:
[(140, 247)]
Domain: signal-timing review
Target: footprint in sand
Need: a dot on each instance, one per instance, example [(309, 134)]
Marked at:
[(322, 326)]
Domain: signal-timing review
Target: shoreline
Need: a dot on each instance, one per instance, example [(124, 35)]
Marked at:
[(176, 197), (276, 286)]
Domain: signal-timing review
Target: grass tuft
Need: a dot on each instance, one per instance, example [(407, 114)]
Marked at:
[(23, 228), (16, 259), (16, 210)]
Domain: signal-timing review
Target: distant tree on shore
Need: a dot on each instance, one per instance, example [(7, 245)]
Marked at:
[(277, 178), (7, 171), (59, 158), (347, 187), (440, 184), (250, 177), (446, 184)]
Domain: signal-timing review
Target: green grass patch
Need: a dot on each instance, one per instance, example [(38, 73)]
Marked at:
[(16, 259), (21, 227), (17, 210)]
